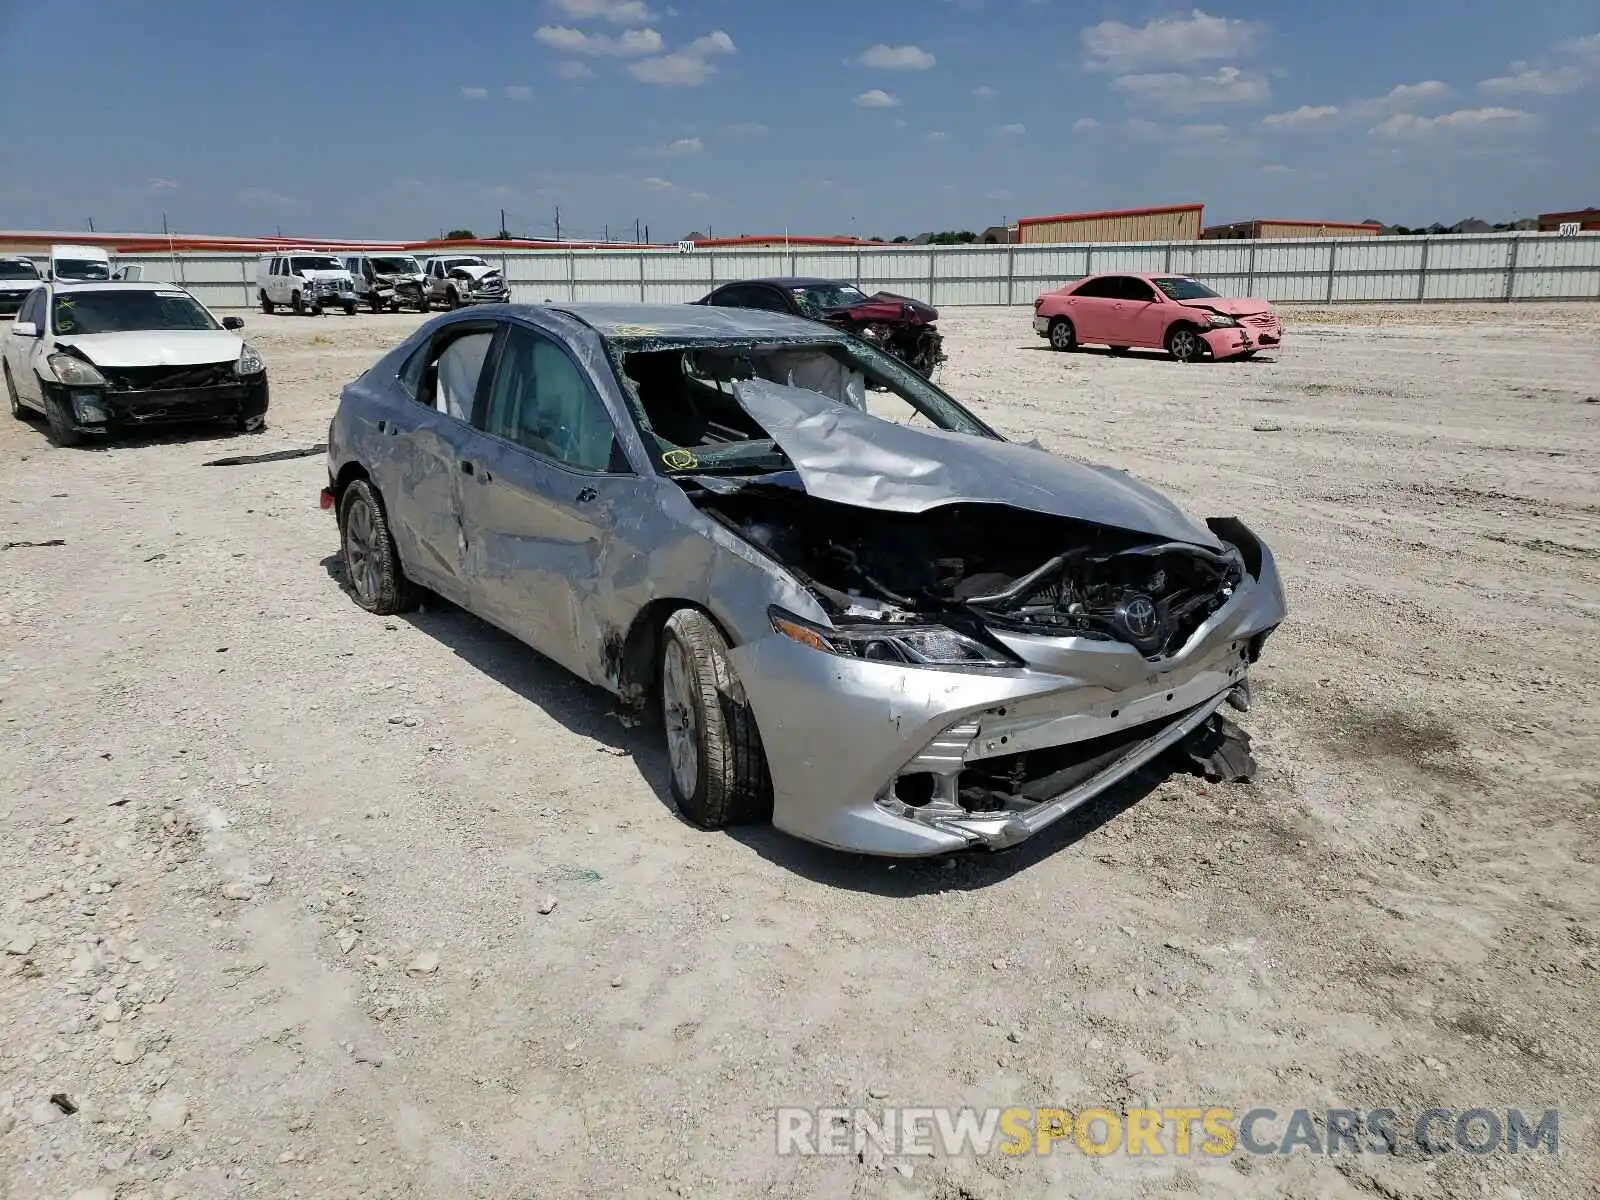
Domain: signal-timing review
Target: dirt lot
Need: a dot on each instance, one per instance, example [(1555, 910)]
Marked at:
[(271, 869)]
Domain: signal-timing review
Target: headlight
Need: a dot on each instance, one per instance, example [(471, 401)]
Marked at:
[(907, 645), (250, 363), (74, 371), (1218, 321)]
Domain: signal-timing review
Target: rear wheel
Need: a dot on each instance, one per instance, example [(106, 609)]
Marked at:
[(452, 299), (719, 771), (1185, 344), (370, 560), (1062, 335), (267, 305), (17, 410), (350, 308)]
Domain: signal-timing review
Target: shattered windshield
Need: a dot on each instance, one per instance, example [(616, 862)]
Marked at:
[(686, 392), (450, 264), (817, 296), (126, 311), (396, 266), (1185, 289)]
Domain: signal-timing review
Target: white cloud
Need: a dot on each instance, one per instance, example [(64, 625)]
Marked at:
[(1539, 81), (1138, 127), (686, 67), (574, 70), (1462, 120), (876, 98), (985, 92), (699, 197), (1085, 124), (576, 41), (474, 93), (1405, 95), (1307, 116), (1210, 133), (938, 135), (618, 12), (1585, 46), (1014, 130), (895, 58), (681, 148), (163, 185), (1183, 93), (715, 42), (1194, 38), (656, 184), (518, 93)]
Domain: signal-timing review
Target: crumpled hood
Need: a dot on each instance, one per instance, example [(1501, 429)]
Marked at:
[(851, 457), (1234, 308), (474, 273), (155, 347)]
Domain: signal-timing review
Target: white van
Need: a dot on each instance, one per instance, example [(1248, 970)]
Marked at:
[(79, 264), (304, 280)]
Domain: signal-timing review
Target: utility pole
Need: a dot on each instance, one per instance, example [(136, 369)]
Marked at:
[(503, 230), (607, 234), (164, 230), (636, 231), (91, 224), (647, 235), (558, 222)]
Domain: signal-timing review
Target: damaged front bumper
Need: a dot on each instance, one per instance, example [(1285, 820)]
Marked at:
[(97, 410), (896, 760)]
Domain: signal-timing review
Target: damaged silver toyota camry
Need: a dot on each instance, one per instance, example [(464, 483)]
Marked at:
[(856, 608)]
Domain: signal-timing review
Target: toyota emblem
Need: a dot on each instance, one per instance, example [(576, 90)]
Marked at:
[(1139, 615)]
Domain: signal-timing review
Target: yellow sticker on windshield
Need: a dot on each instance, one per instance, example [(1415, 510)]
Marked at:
[(680, 460), (635, 330)]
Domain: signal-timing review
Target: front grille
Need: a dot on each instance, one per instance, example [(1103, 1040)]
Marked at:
[(169, 378)]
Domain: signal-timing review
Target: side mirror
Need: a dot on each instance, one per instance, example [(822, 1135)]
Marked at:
[(233, 322), (24, 329)]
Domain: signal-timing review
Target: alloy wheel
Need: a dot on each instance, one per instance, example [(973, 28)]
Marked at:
[(360, 549), (1185, 345), (678, 710)]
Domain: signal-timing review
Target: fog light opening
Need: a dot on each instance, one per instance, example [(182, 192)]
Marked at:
[(915, 789)]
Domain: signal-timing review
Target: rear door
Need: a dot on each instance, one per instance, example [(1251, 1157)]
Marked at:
[(546, 504), (1092, 309), (422, 479)]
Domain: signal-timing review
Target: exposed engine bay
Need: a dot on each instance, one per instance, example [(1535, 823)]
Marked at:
[(976, 565)]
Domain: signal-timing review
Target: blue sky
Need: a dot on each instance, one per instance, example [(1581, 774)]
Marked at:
[(871, 117)]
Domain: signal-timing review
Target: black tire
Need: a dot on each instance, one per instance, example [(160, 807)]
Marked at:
[(267, 305), (62, 431), (371, 562), (349, 308), (298, 303), (13, 398), (1062, 335), (377, 303), (452, 301), (1185, 344), (703, 701)]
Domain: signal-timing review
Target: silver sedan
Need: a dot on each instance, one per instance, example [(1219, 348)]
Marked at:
[(857, 610)]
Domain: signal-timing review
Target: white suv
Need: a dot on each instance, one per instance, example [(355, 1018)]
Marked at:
[(456, 279), (304, 280)]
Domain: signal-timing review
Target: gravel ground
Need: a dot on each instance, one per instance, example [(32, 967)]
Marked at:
[(276, 875)]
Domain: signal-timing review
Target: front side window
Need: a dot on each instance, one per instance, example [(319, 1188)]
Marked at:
[(128, 311), (1185, 289), (1136, 289), (33, 308), (820, 297), (541, 400)]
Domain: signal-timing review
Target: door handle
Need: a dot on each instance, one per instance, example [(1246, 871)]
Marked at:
[(587, 495)]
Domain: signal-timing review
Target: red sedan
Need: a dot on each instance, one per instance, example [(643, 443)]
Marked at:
[(1167, 312)]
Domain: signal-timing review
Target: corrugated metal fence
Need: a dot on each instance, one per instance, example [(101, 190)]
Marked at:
[(1527, 266)]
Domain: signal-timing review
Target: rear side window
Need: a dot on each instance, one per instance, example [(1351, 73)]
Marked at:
[(444, 372), (1102, 289)]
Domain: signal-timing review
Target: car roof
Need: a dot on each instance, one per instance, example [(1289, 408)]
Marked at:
[(790, 281), (687, 321), (1147, 276), (115, 285)]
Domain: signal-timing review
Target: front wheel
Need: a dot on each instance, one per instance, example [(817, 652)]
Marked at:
[(62, 430), (298, 303), (1062, 335), (378, 304), (371, 561), (719, 771), (452, 299), (1185, 344)]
